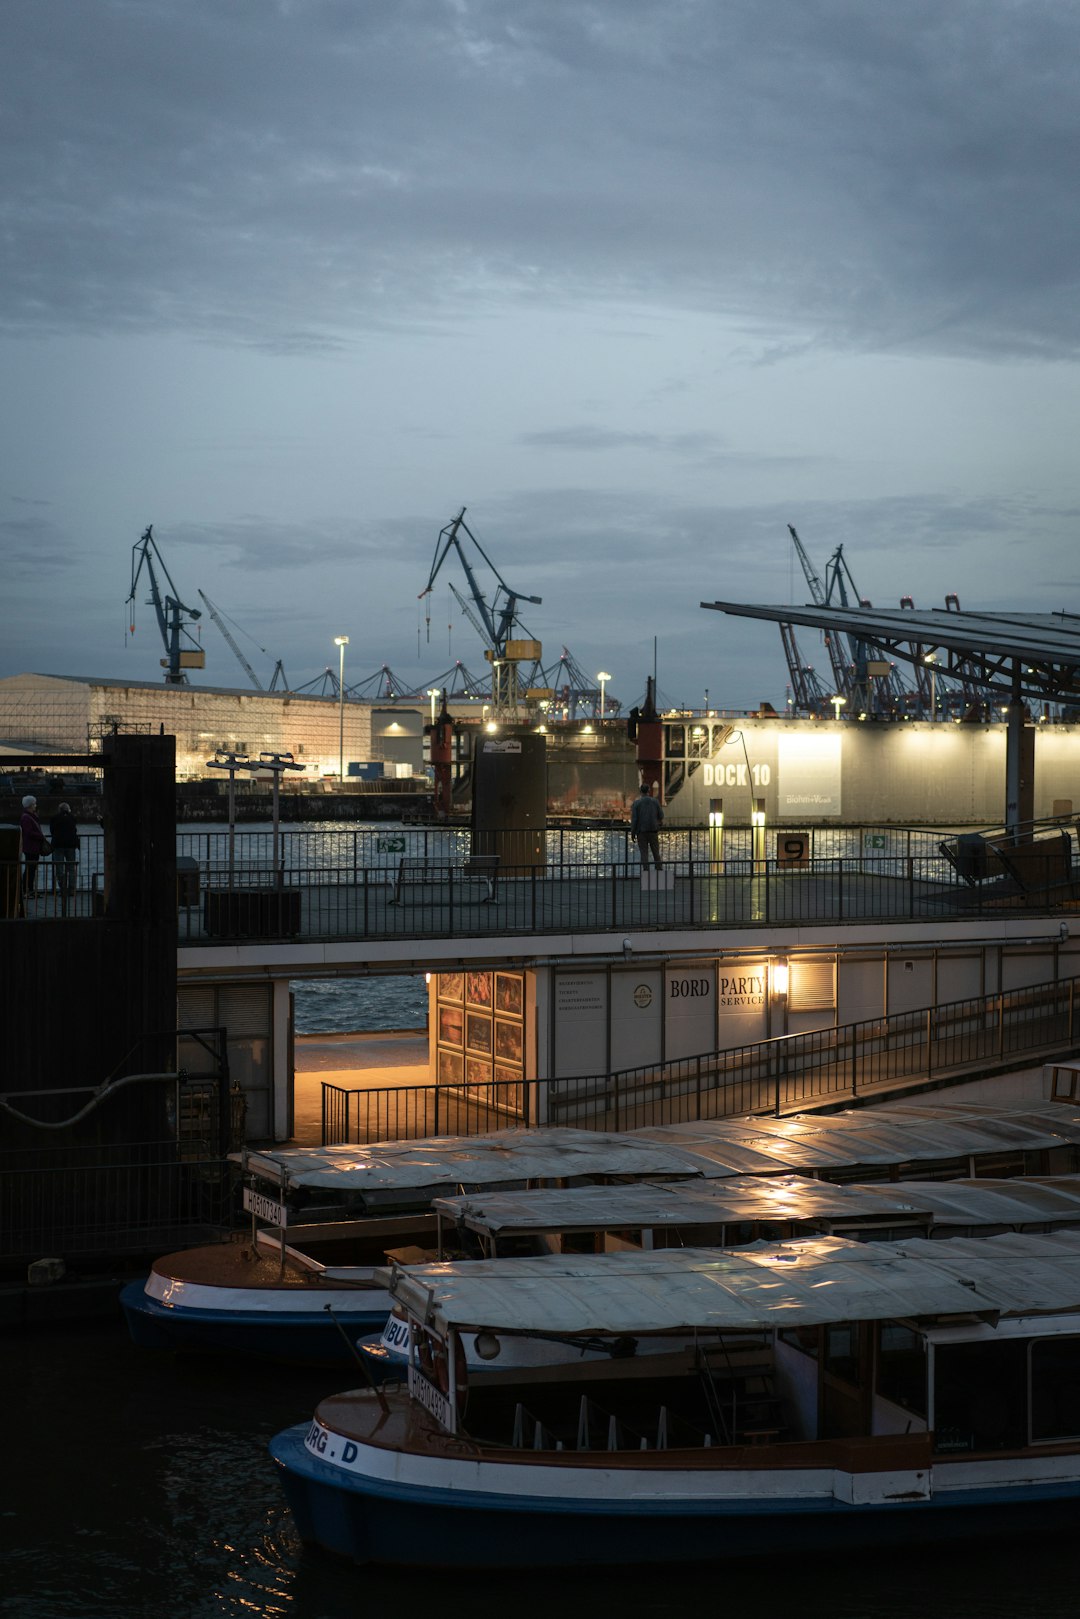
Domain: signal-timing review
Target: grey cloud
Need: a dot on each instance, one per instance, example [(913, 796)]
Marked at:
[(289, 176)]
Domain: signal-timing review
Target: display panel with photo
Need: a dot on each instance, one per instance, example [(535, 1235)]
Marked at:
[(509, 1092), (451, 1068), (477, 1032), (478, 989), (507, 1041), (451, 986), (509, 994), (451, 1025), (478, 1072)]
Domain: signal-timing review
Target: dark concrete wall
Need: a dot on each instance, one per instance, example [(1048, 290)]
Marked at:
[(87, 999)]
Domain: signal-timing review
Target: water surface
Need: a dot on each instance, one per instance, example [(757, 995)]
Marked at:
[(138, 1486)]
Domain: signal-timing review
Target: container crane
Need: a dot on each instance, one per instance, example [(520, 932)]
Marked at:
[(499, 617), (841, 669), (172, 615)]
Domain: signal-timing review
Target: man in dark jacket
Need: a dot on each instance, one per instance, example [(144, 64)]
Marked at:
[(65, 853), (646, 819)]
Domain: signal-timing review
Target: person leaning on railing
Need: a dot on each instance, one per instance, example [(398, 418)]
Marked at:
[(65, 852)]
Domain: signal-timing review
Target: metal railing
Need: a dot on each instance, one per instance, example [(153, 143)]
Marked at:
[(778, 1076), (597, 897), (103, 1201), (338, 883)]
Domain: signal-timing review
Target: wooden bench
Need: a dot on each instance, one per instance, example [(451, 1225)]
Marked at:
[(478, 871)]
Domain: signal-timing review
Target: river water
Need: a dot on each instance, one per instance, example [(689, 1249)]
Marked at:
[(138, 1486)]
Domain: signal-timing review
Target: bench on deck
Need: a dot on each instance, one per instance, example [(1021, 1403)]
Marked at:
[(478, 871)]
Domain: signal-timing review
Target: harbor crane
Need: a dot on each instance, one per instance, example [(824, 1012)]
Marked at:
[(172, 615), (215, 614), (218, 617), (499, 617), (841, 670)]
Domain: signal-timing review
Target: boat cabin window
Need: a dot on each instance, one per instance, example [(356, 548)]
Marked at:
[(901, 1366), (582, 1242), (1055, 1389), (1001, 1166), (980, 1396), (841, 1357), (807, 1340), (523, 1245)]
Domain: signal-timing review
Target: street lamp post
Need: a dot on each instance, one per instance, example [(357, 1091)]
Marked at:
[(226, 759), (433, 692), (931, 659), (603, 677), (837, 703), (341, 642)]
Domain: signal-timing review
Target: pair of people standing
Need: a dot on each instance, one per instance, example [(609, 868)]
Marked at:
[(64, 848)]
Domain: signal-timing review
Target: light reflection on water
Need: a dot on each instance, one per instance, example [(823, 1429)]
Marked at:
[(139, 1485)]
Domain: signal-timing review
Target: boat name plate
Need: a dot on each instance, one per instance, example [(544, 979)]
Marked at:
[(265, 1208), (433, 1400)]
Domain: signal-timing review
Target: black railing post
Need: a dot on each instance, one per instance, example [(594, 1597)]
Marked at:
[(435, 1110), (690, 869), (698, 1088), (929, 1042), (854, 1059), (532, 922)]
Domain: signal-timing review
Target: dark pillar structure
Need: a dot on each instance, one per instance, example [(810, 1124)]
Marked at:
[(509, 816), (91, 999)]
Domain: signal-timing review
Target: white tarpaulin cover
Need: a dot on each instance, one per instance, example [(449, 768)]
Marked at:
[(778, 1197), (713, 1148), (801, 1282)]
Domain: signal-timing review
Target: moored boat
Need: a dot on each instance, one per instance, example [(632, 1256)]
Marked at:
[(835, 1394), (316, 1237)]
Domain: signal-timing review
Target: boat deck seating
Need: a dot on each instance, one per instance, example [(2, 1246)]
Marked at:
[(601, 1430), (476, 877)]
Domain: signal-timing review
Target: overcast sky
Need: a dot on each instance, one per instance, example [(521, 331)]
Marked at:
[(637, 282)]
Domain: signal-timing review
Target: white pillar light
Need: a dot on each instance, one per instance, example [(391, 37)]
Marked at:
[(341, 642), (603, 677)]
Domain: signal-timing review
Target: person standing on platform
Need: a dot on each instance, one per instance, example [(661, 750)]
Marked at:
[(646, 819), (65, 853), (34, 845)]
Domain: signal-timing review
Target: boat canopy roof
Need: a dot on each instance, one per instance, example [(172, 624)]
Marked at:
[(897, 1134), (715, 1149), (803, 1282), (780, 1197), (498, 1158)]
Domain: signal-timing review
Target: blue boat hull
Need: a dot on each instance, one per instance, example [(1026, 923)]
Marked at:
[(307, 1337), (380, 1522)]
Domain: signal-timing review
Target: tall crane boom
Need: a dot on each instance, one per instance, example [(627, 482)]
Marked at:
[(172, 615), (841, 669), (500, 615), (220, 622)]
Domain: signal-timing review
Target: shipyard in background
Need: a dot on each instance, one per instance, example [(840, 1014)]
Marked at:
[(882, 739)]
